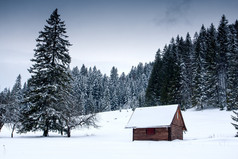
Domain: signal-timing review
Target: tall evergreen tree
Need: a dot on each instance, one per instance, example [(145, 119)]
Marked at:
[(113, 88), (122, 90), (106, 94), (5, 99), (49, 79), (186, 73), (199, 86), (106, 100), (211, 67), (222, 61), (10, 105), (236, 28), (174, 68), (202, 77), (153, 91), (15, 107), (232, 69), (171, 74)]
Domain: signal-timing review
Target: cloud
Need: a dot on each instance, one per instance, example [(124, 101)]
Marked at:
[(176, 12)]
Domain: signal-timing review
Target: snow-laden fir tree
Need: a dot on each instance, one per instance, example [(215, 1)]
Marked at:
[(200, 78), (170, 74), (15, 107), (80, 79), (232, 69), (106, 99), (153, 90), (113, 88), (11, 105), (49, 79), (5, 98), (186, 73), (222, 62), (122, 90), (211, 67)]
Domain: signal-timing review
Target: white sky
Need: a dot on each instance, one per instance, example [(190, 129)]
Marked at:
[(104, 33)]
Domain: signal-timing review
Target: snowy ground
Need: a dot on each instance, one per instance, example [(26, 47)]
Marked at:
[(210, 135)]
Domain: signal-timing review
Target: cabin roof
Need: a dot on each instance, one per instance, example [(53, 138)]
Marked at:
[(152, 117)]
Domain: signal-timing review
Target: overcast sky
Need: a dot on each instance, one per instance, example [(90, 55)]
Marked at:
[(104, 33)]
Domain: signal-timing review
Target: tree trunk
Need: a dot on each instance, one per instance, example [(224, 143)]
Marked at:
[(61, 132), (68, 132), (1, 125), (13, 128), (46, 132), (222, 89)]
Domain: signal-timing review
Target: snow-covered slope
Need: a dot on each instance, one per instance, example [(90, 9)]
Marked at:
[(210, 135)]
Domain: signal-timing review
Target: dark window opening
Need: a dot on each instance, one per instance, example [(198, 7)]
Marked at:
[(150, 131)]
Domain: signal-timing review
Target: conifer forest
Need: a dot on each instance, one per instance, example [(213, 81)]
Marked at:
[(198, 72)]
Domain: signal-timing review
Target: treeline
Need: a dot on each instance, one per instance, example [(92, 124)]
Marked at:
[(97, 92), (201, 72)]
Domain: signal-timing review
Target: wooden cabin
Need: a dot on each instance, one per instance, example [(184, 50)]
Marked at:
[(157, 123)]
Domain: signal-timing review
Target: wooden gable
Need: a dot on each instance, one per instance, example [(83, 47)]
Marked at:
[(177, 126), (178, 119)]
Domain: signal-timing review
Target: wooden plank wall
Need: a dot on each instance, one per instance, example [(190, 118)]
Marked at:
[(160, 134), (177, 126), (176, 132)]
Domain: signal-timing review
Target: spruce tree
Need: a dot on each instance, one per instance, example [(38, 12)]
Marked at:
[(5, 100), (236, 28), (186, 73), (174, 69), (49, 79), (203, 72), (165, 74), (211, 67), (222, 61), (122, 90), (106, 100), (153, 91), (15, 106), (200, 97), (170, 74), (113, 88), (232, 69), (10, 105)]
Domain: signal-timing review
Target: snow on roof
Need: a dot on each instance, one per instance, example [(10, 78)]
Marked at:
[(156, 116)]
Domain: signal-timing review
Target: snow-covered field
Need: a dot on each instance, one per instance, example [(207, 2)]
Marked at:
[(210, 136)]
